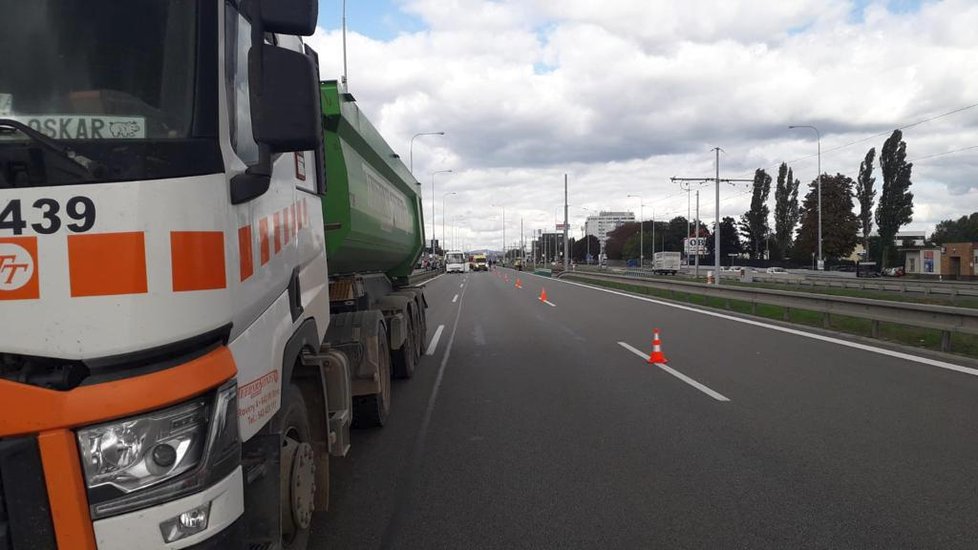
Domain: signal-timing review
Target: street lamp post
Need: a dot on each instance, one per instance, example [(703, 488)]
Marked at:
[(641, 231), (587, 238), (443, 215), (818, 139), (433, 205), (504, 227), (411, 147)]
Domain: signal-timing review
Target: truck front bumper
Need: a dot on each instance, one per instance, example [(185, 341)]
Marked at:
[(141, 529)]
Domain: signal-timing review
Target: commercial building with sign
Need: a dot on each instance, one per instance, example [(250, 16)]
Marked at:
[(922, 261)]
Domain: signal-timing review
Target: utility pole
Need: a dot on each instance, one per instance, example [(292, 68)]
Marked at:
[(686, 186), (522, 243), (344, 67), (716, 228), (566, 245), (716, 231), (696, 273)]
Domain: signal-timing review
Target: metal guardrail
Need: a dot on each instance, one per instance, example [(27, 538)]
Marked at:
[(419, 277), (953, 289), (946, 319), (903, 286)]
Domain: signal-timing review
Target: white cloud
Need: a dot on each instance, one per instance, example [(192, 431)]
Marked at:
[(622, 94)]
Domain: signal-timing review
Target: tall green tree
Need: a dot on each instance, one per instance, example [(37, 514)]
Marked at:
[(840, 226), (617, 238), (579, 250), (785, 209), (753, 224), (729, 240), (895, 208), (962, 230), (865, 194)]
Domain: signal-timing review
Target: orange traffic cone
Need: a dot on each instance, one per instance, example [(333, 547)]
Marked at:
[(519, 284), (657, 355), (543, 295)]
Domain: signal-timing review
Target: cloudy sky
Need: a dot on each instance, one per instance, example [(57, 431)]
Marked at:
[(622, 94)]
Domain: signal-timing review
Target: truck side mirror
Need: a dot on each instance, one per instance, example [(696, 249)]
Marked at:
[(296, 17), (285, 111), (288, 113)]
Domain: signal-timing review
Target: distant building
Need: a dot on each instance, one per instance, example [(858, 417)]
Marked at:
[(911, 238), (907, 239), (922, 261), (606, 222), (958, 260)]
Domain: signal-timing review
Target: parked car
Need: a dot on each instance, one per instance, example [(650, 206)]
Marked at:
[(777, 271), (893, 272)]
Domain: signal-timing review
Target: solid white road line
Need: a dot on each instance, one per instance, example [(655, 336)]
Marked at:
[(813, 336), (677, 374), (434, 340), (455, 299), (433, 279), (549, 303)]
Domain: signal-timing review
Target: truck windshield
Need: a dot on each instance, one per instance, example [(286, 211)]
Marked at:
[(120, 82), (455, 259)]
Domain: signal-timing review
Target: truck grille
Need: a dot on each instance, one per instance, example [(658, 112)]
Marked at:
[(25, 515)]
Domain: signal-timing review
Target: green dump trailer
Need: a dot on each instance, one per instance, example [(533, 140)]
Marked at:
[(372, 206), (374, 236)]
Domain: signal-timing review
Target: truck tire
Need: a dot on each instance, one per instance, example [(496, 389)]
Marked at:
[(370, 411), (298, 471), (406, 359)]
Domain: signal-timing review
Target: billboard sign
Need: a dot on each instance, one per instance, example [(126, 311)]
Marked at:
[(695, 246)]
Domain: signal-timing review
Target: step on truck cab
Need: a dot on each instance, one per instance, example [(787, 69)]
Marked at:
[(166, 378)]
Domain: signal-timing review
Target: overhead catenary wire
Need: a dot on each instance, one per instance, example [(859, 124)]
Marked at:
[(887, 133)]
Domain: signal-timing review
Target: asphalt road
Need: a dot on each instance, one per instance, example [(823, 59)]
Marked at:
[(531, 426)]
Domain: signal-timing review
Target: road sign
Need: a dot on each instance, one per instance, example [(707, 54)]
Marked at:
[(563, 226), (695, 246)]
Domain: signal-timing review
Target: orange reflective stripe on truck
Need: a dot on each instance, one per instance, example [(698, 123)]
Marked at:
[(197, 259), (55, 414), (40, 410), (66, 490), (107, 264)]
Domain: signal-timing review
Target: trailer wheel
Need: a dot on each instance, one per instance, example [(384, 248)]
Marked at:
[(406, 358), (298, 471), (370, 411), (422, 326)]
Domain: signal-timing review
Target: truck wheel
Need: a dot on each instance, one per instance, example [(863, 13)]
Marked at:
[(419, 331), (423, 320), (370, 411), (298, 471), (405, 359)]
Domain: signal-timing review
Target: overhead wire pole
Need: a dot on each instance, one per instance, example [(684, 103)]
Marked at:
[(433, 200), (566, 245), (716, 231), (696, 274), (641, 230), (444, 235), (689, 219), (344, 44), (504, 227)]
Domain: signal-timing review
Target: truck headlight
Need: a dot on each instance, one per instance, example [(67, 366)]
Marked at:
[(142, 460)]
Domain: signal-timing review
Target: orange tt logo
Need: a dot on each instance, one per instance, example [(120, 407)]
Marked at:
[(18, 273), (10, 266)]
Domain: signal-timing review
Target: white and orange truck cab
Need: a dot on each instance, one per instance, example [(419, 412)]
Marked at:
[(164, 293)]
